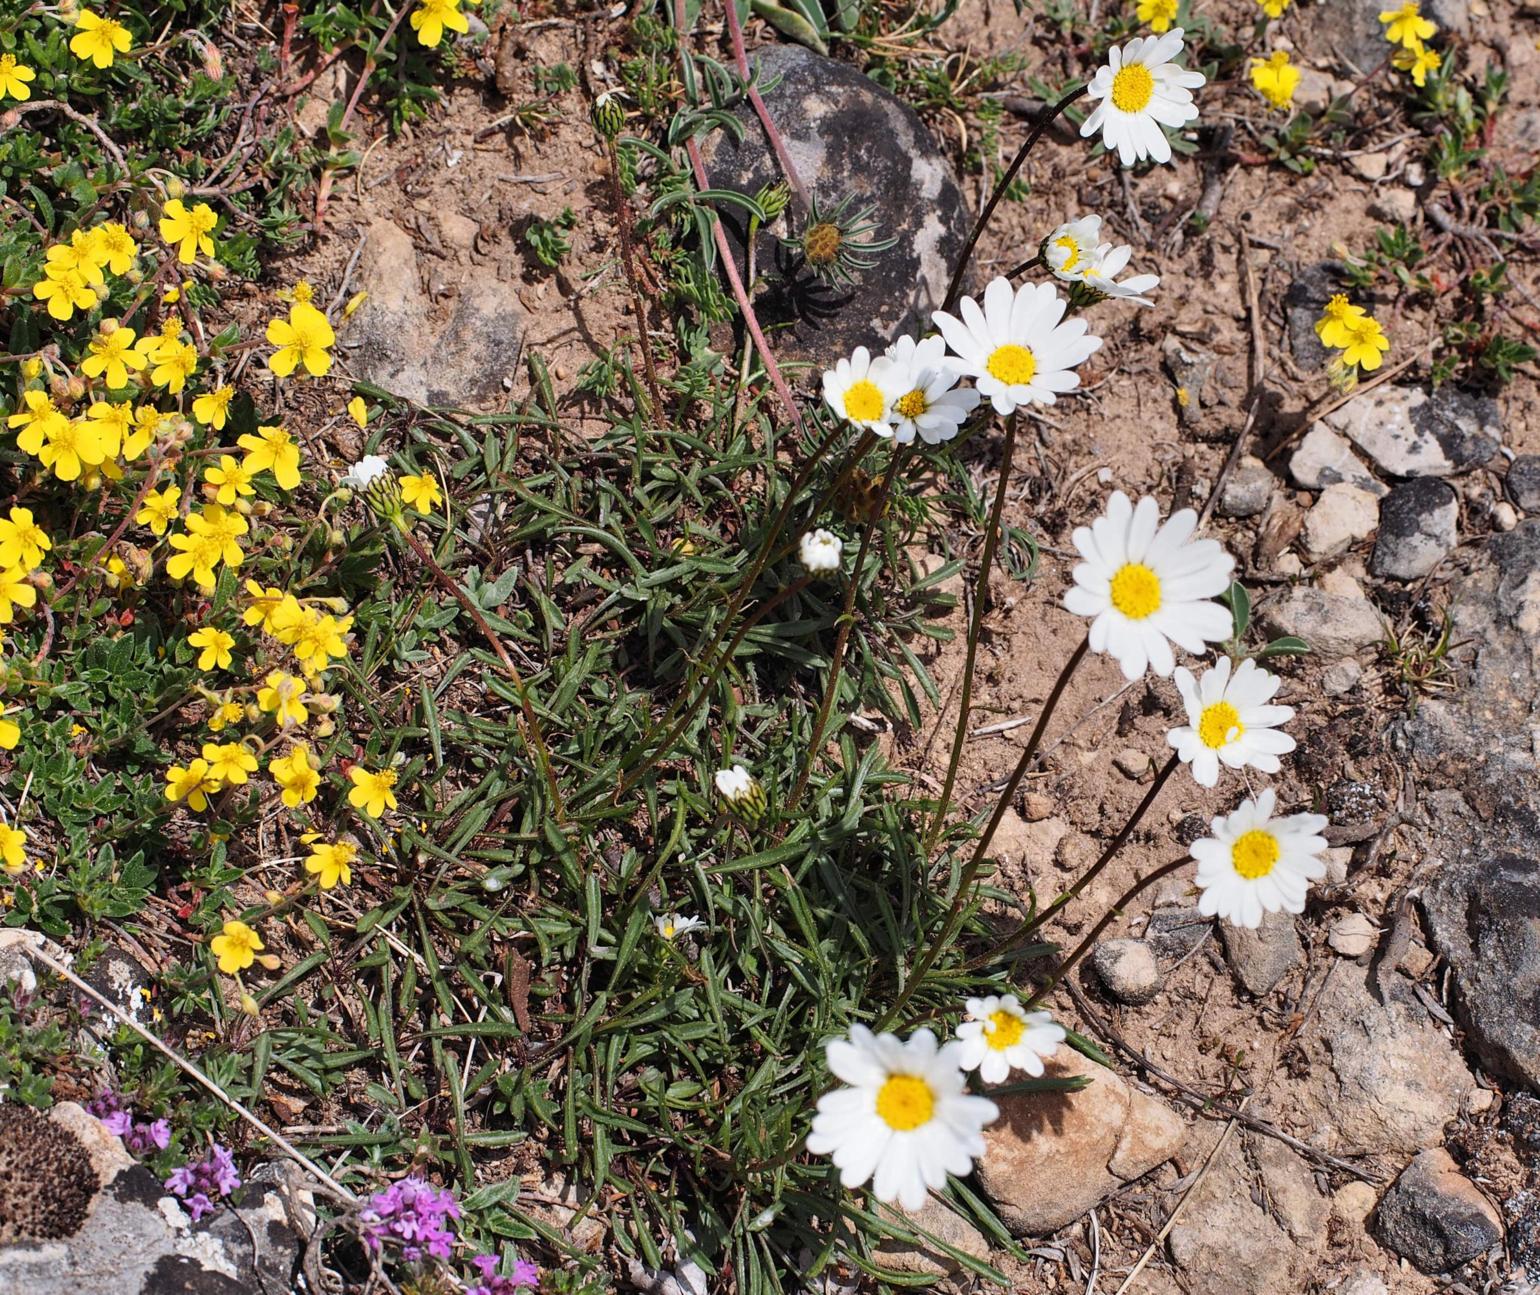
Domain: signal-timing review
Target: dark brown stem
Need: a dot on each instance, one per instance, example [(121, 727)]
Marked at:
[(1045, 119), (1025, 266), (975, 628), (628, 258), (847, 623), (1110, 916)]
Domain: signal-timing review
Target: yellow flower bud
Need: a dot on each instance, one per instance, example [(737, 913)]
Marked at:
[(249, 1005)]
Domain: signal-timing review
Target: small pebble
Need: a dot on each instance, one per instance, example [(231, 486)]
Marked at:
[(1128, 969), (1352, 936), (1133, 764)]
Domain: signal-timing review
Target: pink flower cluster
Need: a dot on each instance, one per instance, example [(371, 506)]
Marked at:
[(413, 1214), (139, 1137), (525, 1276), (201, 1185)]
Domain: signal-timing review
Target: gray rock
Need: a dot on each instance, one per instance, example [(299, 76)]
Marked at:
[(1341, 677), (1523, 482), (1335, 625), (1192, 373), (1247, 491), (1128, 969), (1261, 958), (1409, 433), (1052, 1156), (1365, 1283), (1484, 915), (1351, 29), (1306, 297), (1419, 524), (1342, 516), (848, 137), (1391, 1078), (921, 1256), (402, 340), (1324, 459), (136, 1240), (1174, 932), (1436, 1217)]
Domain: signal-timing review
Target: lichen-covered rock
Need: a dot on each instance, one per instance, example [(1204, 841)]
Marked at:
[(1418, 527), (847, 137), (47, 1181), (1411, 433), (1436, 1217)]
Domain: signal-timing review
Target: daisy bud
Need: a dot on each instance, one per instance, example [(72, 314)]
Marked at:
[(774, 198), (743, 792), (820, 551), (607, 115)]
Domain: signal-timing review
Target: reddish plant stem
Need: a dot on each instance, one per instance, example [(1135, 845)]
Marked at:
[(628, 257), (741, 58)]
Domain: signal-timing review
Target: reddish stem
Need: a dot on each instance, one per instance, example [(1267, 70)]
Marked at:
[(740, 56)]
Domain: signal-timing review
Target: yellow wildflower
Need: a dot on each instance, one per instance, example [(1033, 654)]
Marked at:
[(431, 17), (273, 449), (66, 445), (13, 848), (1275, 78), (295, 776), (113, 422), (147, 425), (174, 364), (1366, 345), (372, 792), (97, 39), (1273, 8), (22, 541), (191, 783), (264, 606), (14, 592), (213, 408), (188, 229), (214, 645), (112, 355), (1333, 325), (1160, 14), (10, 730), (1406, 26), (302, 338), (226, 714), (359, 411), (1419, 62), (14, 77), (236, 947), (332, 863), (229, 762), (421, 493), (115, 246), (65, 292), (284, 695), (231, 478), (196, 556), (159, 509)]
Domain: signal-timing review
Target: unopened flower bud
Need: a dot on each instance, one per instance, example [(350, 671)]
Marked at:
[(607, 115), (249, 1005), (174, 187), (743, 793), (774, 199)]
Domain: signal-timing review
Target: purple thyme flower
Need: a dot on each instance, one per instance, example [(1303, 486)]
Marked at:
[(206, 1182), (108, 1107), (413, 1213), (141, 1139), (524, 1276)]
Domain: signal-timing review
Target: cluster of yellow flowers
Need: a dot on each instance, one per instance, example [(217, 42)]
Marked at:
[(1353, 332), (73, 271), (23, 544), (1407, 29)]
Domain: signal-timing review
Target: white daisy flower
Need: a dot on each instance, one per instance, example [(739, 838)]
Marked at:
[(672, 925), (928, 402), (1148, 585), (735, 783), (1016, 349), (366, 472), (1107, 262), (905, 1121), (820, 552), (1000, 1036), (860, 391), (1230, 720), (1070, 250), (1140, 90), (1255, 863)]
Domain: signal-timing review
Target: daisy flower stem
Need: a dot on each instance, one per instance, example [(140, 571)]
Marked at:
[(975, 627), (628, 259), (1045, 119), (529, 723), (847, 623), (669, 738), (1113, 847), (970, 872), (782, 156), (1025, 266), (1111, 915)]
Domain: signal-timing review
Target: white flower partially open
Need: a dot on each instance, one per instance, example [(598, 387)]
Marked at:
[(1230, 720), (905, 1121), (1139, 90), (1148, 585), (1255, 863), (366, 471), (927, 402), (672, 925), (820, 551)]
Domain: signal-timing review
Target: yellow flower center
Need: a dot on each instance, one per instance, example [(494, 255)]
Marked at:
[(905, 1102), (1219, 725), (1003, 1030), (912, 405), (1013, 365), (863, 402), (668, 930), (1254, 854), (1133, 88), (1136, 591), (1073, 250), (821, 244)]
